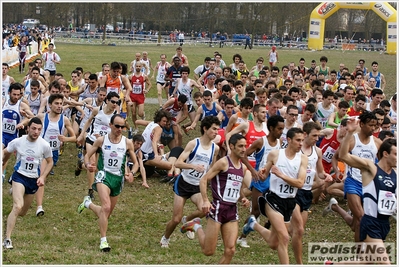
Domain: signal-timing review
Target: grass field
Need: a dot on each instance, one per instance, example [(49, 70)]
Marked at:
[(62, 236), (90, 58)]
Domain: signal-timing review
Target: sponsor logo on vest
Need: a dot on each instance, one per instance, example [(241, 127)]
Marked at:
[(234, 177), (388, 194)]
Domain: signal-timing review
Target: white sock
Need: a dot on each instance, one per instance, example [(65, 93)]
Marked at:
[(184, 219), (87, 203), (39, 207), (252, 224), (196, 227), (103, 239)]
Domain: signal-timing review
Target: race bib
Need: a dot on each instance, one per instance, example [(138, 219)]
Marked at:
[(29, 166), (232, 191), (285, 190), (323, 122), (309, 176), (328, 154), (195, 174), (9, 126), (104, 130), (112, 89), (386, 202), (54, 142), (137, 89), (34, 110)]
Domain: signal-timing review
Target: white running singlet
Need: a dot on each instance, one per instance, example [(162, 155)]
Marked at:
[(289, 167), (366, 151), (311, 169), (113, 156), (51, 130), (199, 156), (323, 114)]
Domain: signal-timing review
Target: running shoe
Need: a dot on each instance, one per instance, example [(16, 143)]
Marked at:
[(51, 172), (91, 194), (173, 180), (190, 235), (164, 242), (137, 175), (7, 244), (39, 211), (61, 149), (82, 206), (166, 179), (328, 209), (184, 219), (79, 167), (80, 153), (189, 226), (249, 226), (104, 247), (242, 242), (161, 172)]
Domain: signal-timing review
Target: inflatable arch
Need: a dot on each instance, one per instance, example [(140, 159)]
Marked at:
[(326, 9)]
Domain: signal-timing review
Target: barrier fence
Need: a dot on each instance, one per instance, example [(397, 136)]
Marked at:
[(10, 56), (129, 39)]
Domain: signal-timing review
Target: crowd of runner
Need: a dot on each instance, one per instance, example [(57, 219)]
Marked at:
[(276, 139)]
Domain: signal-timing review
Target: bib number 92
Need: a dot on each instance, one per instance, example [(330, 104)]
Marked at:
[(112, 162)]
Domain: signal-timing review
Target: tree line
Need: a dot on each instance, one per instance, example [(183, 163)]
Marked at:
[(255, 18)]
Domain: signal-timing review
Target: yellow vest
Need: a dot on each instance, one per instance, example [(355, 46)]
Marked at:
[(73, 88)]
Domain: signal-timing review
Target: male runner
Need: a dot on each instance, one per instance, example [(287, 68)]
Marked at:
[(227, 181), (198, 156), (54, 124), (112, 149), (31, 150), (287, 169)]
